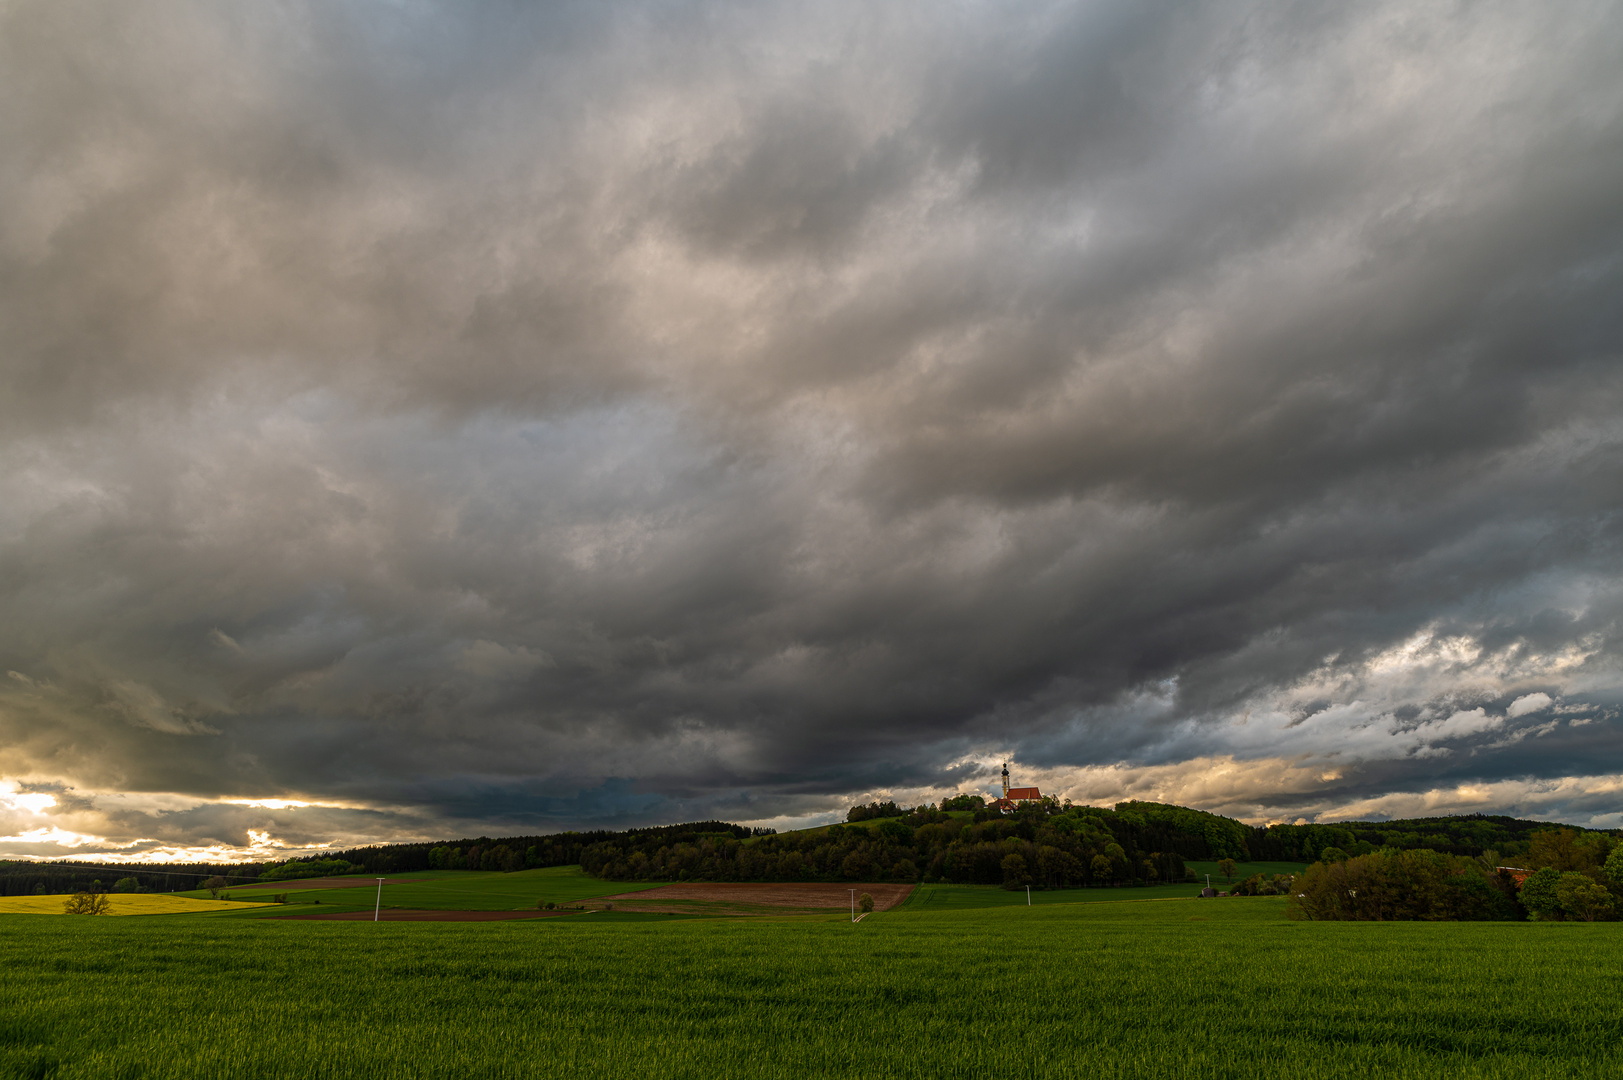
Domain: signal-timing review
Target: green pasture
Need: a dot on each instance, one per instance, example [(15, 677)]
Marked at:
[(961, 897), (441, 890), (1175, 988), (471, 890)]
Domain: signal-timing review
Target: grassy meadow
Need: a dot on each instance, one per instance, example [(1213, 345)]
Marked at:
[(439, 890), (1175, 988)]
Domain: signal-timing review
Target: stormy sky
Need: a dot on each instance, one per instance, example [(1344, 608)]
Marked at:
[(424, 420)]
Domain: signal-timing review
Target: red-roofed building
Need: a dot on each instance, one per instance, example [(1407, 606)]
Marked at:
[(1013, 797)]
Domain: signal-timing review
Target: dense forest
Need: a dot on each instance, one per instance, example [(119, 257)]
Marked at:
[(1046, 845), (483, 853), (1043, 845), (1468, 835)]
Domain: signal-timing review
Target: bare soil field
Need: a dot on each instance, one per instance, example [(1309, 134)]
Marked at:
[(399, 915), (768, 894)]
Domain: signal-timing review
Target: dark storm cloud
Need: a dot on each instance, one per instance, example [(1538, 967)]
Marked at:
[(513, 417)]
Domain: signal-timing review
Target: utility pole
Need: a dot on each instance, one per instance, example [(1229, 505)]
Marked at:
[(853, 905), (1028, 895), (378, 910)]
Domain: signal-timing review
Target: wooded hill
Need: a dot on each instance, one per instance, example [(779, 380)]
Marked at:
[(1053, 845)]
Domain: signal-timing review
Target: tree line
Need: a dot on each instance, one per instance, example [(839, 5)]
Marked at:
[(1467, 834), (1043, 845), (1053, 844), (1568, 875)]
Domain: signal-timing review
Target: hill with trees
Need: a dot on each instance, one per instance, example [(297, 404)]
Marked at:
[(1045, 844)]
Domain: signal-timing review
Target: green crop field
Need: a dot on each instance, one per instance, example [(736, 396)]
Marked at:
[(442, 890), (1176, 988), (958, 897)]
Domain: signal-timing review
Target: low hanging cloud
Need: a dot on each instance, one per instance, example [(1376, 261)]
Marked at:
[(445, 420)]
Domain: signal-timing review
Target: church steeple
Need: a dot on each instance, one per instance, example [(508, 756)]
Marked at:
[(1005, 779)]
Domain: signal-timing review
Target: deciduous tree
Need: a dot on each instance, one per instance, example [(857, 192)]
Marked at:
[(87, 903), (1614, 865), (1538, 894), (1582, 898)]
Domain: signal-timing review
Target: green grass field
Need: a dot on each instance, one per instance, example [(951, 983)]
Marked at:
[(1174, 988), (442, 890), (960, 897)]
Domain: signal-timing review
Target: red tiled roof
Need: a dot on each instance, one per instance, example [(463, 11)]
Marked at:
[(1019, 793)]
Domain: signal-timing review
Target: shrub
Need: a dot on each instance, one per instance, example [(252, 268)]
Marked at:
[(127, 884), (1259, 885), (865, 903)]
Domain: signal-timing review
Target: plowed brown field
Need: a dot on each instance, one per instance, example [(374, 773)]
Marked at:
[(388, 915), (770, 894)]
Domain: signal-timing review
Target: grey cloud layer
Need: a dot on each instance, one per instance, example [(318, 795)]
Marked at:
[(587, 412)]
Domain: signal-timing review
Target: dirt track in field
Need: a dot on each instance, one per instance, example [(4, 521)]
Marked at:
[(397, 915), (768, 894), (322, 883)]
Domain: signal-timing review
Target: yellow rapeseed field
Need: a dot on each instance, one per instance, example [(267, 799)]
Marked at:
[(123, 904)]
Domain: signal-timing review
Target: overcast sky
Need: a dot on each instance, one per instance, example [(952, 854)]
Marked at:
[(480, 419)]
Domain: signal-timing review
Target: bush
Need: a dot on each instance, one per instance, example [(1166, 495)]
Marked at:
[(87, 903), (127, 884), (1259, 885), (865, 903)]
